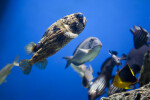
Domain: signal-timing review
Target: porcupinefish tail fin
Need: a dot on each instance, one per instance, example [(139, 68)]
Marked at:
[(68, 61), (29, 48), (16, 63), (25, 66), (41, 64)]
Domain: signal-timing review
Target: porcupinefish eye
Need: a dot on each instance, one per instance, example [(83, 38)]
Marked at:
[(79, 17)]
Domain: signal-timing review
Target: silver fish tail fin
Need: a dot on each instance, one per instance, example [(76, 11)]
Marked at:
[(25, 66), (41, 64), (29, 48), (68, 61), (89, 73), (16, 63), (88, 77)]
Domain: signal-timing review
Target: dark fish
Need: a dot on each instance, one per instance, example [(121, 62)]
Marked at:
[(124, 78), (140, 36), (56, 37), (85, 52), (116, 59), (85, 73), (102, 81), (7, 70), (135, 58), (144, 76)]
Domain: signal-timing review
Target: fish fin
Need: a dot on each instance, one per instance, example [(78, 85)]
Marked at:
[(132, 31), (124, 57), (70, 35), (86, 51), (29, 48), (41, 64), (98, 93), (110, 52), (25, 66), (68, 61), (114, 52), (88, 74), (127, 87), (16, 63)]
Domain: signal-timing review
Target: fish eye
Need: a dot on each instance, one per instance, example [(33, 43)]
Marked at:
[(79, 17)]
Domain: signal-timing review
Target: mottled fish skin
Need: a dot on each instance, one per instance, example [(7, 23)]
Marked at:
[(140, 36), (58, 35), (135, 58), (112, 90)]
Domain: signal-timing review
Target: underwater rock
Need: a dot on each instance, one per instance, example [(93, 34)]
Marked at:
[(142, 93), (144, 76)]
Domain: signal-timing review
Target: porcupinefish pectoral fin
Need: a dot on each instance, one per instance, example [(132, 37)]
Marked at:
[(25, 66), (41, 64), (68, 61), (15, 63), (29, 48), (70, 35), (86, 51)]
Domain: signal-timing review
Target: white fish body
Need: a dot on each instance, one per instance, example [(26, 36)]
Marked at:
[(7, 69), (85, 52)]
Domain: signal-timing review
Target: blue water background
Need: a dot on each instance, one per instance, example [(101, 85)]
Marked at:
[(25, 21)]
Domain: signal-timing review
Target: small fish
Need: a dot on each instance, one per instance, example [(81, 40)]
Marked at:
[(135, 58), (85, 73), (7, 70), (56, 37), (85, 52), (140, 36), (116, 59), (124, 78)]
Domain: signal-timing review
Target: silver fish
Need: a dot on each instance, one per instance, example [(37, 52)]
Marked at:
[(85, 52), (7, 69), (140, 36), (56, 37), (85, 73)]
